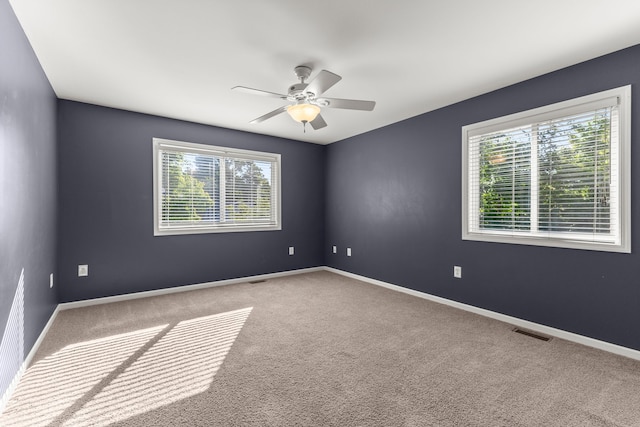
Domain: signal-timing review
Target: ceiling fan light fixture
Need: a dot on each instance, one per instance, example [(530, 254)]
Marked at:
[(303, 113)]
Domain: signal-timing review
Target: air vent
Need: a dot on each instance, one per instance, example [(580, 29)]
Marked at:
[(531, 334), (257, 281)]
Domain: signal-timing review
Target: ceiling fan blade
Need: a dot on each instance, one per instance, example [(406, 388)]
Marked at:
[(322, 82), (252, 91), (318, 122), (269, 115), (347, 104)]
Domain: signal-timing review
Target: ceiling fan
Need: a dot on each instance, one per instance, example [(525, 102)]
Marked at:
[(306, 98)]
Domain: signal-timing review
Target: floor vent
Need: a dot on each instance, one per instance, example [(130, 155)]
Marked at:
[(531, 334), (257, 281)]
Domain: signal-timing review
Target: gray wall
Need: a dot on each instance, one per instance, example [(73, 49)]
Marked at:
[(394, 196), (27, 187), (105, 160)]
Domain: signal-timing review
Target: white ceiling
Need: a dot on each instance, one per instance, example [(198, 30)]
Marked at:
[(180, 58)]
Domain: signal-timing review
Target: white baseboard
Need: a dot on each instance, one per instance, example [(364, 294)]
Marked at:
[(559, 333), (27, 361), (184, 288)]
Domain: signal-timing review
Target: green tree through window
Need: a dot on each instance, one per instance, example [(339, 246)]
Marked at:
[(248, 190), (505, 176), (184, 196), (573, 176)]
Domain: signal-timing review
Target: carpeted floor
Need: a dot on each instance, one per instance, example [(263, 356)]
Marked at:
[(314, 349)]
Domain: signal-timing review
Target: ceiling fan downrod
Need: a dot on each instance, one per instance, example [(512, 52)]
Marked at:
[(303, 72)]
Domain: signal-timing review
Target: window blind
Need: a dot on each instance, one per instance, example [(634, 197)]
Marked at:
[(556, 176), (205, 189)]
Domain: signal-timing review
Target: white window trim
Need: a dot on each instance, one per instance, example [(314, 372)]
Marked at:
[(566, 240), (191, 147)]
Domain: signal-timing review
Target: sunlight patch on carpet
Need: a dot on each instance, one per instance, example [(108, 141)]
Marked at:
[(99, 382), (54, 383), (181, 364)]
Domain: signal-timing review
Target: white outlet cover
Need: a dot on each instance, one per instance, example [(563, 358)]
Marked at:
[(51, 280), (457, 271), (291, 250), (83, 270), (348, 251), (335, 249)]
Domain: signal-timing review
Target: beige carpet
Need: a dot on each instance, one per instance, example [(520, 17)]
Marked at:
[(315, 349)]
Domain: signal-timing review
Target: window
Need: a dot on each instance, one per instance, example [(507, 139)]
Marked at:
[(206, 189), (553, 176)]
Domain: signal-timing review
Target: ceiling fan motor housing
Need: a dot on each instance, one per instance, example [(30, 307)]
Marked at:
[(297, 93)]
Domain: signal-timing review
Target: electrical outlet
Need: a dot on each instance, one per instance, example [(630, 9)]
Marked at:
[(83, 270), (291, 250), (457, 271), (335, 249), (348, 251), (51, 281)]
